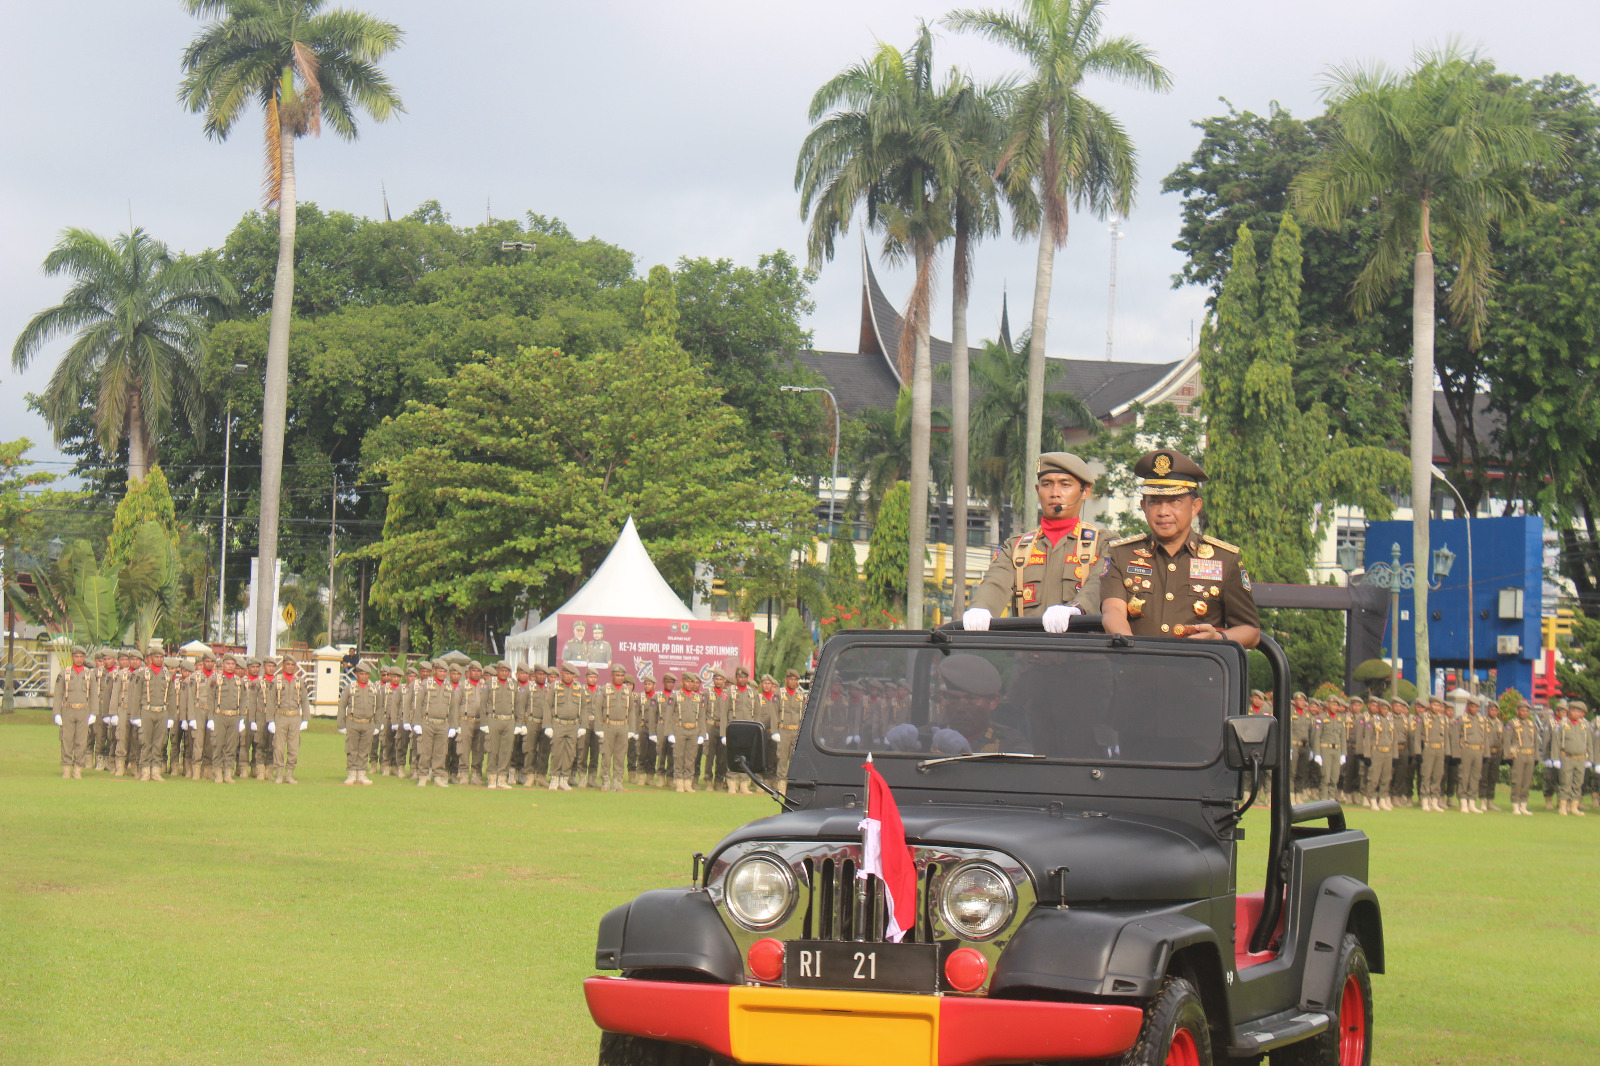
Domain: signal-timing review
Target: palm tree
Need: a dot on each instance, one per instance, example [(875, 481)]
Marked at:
[(1073, 152), (882, 455), (1001, 378), (1438, 159), (876, 143), (304, 66), (139, 315)]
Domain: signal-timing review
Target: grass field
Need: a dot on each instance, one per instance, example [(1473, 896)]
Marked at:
[(192, 923)]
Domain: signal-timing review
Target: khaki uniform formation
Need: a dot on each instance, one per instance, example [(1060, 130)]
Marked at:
[(161, 715), (1384, 754)]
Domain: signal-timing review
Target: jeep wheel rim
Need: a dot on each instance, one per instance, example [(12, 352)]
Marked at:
[(1184, 1049), (1352, 1024)]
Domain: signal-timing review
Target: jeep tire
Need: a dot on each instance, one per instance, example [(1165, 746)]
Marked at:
[(1175, 1032), (1348, 1039), (620, 1049)]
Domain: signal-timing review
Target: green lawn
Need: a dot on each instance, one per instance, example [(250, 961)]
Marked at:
[(191, 923)]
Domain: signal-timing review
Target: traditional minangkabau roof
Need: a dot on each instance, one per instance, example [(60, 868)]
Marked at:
[(870, 376)]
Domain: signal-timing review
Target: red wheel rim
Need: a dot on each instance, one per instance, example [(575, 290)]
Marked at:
[(1184, 1050), (1352, 1025)]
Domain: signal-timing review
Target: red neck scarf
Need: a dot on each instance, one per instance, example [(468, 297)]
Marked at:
[(1053, 529)]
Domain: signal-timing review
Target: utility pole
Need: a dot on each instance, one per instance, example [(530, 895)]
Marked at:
[(222, 562), (1111, 310), (333, 519), (1394, 622)]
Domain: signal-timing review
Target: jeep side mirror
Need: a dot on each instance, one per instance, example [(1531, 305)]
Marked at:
[(748, 741), (1249, 741)]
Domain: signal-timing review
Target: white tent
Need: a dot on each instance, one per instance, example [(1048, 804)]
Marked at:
[(626, 585)]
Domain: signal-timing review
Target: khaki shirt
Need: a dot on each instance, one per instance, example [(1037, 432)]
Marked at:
[(435, 702), (688, 716), (500, 701), (616, 708), (77, 692), (229, 694), (360, 705), (791, 709), (1205, 582), (288, 697), (1522, 739), (1028, 573), (1574, 742)]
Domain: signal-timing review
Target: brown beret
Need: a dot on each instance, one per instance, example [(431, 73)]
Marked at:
[(1065, 463)]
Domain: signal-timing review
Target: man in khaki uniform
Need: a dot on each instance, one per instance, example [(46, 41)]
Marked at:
[(1330, 755), (124, 709), (289, 704), (1049, 571), (76, 700), (225, 721), (1377, 746), (536, 745), (649, 701), (259, 676), (791, 709), (360, 711), (202, 696), (499, 715), (1399, 788), (1172, 581), (689, 713), (719, 705), (1521, 746), (744, 706), (1470, 740), (470, 741), (435, 713), (1574, 750), (156, 700), (565, 714), (1494, 746), (100, 734), (586, 765), (616, 722), (668, 707), (1434, 744)]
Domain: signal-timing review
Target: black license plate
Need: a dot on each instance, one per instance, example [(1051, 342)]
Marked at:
[(881, 967)]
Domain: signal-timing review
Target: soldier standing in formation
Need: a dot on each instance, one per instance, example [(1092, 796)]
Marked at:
[(563, 727), (1331, 738), (76, 701), (1049, 571), (360, 711), (689, 713), (1469, 742), (791, 708), (226, 720), (1433, 741), (1378, 748), (499, 716), (435, 723), (1172, 581), (649, 722), (1575, 751), (616, 722), (1522, 748), (290, 706)]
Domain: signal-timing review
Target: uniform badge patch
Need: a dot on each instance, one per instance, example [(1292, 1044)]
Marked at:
[(998, 552), (1080, 571), (1088, 535), (1135, 607), (1143, 553), (1205, 569), (1030, 593), (1244, 576), (1140, 569), (1205, 551), (1105, 566), (1037, 557), (1201, 607)]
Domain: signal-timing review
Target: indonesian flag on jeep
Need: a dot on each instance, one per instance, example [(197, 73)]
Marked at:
[(884, 853)]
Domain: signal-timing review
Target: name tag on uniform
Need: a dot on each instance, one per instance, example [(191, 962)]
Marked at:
[(1037, 557), (1139, 568), (1206, 569)]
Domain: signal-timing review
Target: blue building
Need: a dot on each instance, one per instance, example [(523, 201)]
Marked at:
[(1507, 588)]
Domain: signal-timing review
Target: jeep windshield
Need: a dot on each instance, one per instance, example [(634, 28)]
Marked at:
[(1073, 703)]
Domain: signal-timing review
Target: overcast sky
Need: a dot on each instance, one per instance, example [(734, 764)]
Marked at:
[(669, 128)]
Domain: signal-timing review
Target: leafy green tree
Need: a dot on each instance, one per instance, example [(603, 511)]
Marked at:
[(148, 500), (660, 310), (93, 604), (882, 454), (880, 140), (1578, 670), (1276, 471), (1439, 159), (1159, 426), (843, 609), (1069, 150), (303, 66), (788, 649), (888, 559), (138, 314), (147, 580), (512, 486)]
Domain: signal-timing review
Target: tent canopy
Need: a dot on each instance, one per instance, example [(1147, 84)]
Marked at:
[(626, 585)]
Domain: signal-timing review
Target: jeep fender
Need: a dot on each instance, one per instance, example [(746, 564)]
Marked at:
[(669, 929), (1099, 953), (1342, 904)]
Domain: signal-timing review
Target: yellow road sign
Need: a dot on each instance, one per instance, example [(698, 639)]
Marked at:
[(288, 614)]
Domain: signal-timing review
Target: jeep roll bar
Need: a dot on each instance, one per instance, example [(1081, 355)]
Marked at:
[(1282, 786)]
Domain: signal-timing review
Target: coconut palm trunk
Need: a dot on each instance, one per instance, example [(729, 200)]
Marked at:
[(138, 431), (275, 396), (959, 402), (921, 432), (1422, 443), (1044, 273)]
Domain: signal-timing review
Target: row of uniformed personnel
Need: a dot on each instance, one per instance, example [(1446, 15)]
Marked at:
[(160, 713)]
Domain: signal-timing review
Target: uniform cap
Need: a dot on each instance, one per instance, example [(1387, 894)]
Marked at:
[(1168, 473), (1577, 705), (618, 668), (972, 674), (77, 649), (474, 665), (170, 662), (208, 657), (791, 673), (1065, 463), (155, 647), (769, 677), (252, 661), (363, 667), (230, 659), (439, 664), (502, 665), (669, 677)]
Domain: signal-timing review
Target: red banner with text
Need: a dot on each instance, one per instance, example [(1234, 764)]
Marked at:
[(649, 647)]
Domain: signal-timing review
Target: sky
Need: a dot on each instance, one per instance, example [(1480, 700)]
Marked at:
[(668, 128)]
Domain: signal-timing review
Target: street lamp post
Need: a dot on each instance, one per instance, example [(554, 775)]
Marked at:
[(833, 485), (1394, 621), (227, 453), (1472, 605)]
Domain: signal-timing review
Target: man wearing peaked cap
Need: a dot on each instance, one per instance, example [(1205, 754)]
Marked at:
[(1049, 571), (1171, 581)]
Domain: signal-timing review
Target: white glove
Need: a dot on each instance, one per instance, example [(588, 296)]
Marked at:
[(1057, 615), (633, 736), (700, 740), (58, 719), (139, 722), (111, 720), (194, 723), (212, 726), (253, 726), (169, 723), (549, 732), (652, 738), (449, 732), (975, 620), (723, 741), (599, 734), (520, 731), (671, 739), (91, 719), (272, 727), (776, 737), (303, 724), (341, 732), (241, 726), (1342, 759), (582, 731), (483, 729), (1317, 759)]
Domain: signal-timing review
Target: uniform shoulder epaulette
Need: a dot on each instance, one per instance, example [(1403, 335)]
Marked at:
[(1129, 540), (1224, 545)]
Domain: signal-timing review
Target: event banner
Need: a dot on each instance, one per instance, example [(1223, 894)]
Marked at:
[(650, 647)]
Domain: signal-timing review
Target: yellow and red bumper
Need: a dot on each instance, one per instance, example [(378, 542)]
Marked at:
[(807, 1027)]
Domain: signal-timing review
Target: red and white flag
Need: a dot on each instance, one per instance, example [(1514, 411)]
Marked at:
[(884, 853)]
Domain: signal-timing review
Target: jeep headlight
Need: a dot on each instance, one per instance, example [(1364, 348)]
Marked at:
[(759, 889), (976, 901)]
